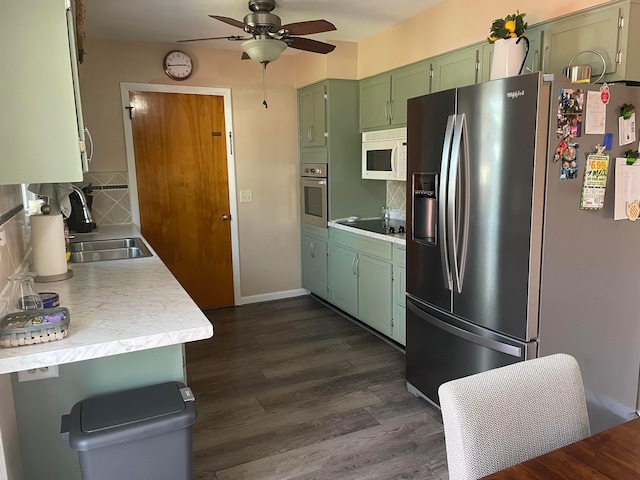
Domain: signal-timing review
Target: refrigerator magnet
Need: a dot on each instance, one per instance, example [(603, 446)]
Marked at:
[(594, 181), (569, 164)]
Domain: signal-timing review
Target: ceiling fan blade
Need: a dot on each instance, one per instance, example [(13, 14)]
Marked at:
[(230, 21), (309, 45), (309, 27), (232, 38)]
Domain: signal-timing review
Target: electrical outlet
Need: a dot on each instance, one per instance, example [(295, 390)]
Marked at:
[(38, 373), (246, 196)]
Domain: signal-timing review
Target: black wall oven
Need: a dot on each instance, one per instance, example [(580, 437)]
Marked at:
[(313, 194)]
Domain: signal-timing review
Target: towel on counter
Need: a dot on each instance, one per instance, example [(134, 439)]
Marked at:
[(58, 195)]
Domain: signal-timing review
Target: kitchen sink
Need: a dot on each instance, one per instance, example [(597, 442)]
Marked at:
[(100, 250)]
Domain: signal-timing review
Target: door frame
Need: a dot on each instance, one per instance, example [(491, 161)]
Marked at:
[(125, 89)]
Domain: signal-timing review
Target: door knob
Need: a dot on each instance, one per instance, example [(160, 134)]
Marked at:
[(225, 217)]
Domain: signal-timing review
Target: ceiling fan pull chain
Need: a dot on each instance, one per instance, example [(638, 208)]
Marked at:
[(264, 85)]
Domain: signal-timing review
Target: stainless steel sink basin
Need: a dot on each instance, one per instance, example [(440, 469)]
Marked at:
[(100, 250)]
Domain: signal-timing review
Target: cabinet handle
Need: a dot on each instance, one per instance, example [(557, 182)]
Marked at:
[(357, 272), (353, 265), (312, 249), (309, 134), (391, 110), (386, 111)]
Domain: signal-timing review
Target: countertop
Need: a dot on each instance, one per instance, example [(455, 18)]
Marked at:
[(116, 306), (399, 238)]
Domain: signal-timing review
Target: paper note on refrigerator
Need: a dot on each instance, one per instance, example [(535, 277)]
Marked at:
[(596, 114), (627, 130), (627, 190)]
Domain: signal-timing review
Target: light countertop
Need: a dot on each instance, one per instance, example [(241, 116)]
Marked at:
[(116, 306), (398, 238)]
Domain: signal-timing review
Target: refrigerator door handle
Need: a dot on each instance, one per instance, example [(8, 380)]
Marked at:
[(464, 334), (458, 202), (442, 202)]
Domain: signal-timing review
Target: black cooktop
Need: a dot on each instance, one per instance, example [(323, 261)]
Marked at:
[(377, 225)]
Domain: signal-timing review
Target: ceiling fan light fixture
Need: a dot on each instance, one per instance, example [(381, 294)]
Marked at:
[(264, 50)]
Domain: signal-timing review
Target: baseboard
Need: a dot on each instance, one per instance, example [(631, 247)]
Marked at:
[(268, 297)]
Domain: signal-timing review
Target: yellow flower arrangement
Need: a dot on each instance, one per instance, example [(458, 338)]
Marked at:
[(509, 27)]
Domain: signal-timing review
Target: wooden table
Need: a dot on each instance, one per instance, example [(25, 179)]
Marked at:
[(612, 454)]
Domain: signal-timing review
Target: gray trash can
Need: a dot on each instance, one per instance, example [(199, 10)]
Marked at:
[(141, 434)]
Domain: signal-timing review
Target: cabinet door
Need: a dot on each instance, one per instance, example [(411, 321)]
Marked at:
[(343, 281), (398, 332), (375, 101), (456, 69), (406, 83), (533, 62), (39, 140), (596, 30), (312, 116), (375, 293), (314, 266)]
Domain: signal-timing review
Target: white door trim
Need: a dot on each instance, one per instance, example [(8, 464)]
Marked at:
[(125, 88)]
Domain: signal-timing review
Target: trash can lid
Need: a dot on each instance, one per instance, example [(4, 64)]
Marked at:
[(119, 409)]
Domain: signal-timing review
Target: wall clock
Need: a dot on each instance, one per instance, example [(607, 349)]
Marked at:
[(177, 65)]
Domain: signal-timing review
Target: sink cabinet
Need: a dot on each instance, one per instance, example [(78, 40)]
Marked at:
[(383, 98), (40, 138)]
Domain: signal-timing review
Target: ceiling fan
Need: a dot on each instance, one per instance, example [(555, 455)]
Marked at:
[(267, 38)]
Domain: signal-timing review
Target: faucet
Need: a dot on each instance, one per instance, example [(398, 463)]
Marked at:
[(86, 213)]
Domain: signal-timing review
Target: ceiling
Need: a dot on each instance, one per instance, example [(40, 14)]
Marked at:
[(169, 20)]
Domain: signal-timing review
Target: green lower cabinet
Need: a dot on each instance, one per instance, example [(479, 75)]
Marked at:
[(375, 293), (398, 326), (314, 266), (343, 279)]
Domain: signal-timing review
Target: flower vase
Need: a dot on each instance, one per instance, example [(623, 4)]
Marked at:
[(509, 55)]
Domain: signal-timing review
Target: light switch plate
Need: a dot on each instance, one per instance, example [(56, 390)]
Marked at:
[(246, 196)]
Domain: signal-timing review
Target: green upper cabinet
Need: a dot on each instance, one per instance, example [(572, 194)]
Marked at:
[(374, 101), (532, 63), (455, 69), (383, 98), (313, 126), (332, 107), (597, 30), (40, 139)]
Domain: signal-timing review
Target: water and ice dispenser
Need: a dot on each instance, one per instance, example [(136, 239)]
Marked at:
[(425, 207)]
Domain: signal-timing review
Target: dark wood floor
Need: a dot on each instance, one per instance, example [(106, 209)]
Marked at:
[(291, 390)]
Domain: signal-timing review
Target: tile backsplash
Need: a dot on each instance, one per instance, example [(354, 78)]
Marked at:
[(397, 195), (12, 225), (111, 201)]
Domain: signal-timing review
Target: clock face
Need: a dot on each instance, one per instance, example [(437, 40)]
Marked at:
[(177, 65)]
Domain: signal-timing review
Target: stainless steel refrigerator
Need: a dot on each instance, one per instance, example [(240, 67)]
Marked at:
[(502, 263)]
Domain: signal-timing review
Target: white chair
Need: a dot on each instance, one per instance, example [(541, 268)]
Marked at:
[(502, 417)]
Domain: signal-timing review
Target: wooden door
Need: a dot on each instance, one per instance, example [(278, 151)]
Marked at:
[(181, 167)]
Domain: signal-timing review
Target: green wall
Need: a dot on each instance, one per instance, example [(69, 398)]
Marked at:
[(40, 404)]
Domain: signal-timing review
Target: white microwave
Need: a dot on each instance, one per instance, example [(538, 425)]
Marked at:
[(384, 154)]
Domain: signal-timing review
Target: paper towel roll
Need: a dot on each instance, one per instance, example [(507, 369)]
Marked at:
[(49, 249)]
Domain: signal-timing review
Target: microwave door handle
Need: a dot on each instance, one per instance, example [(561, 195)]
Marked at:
[(394, 161), (458, 202), (442, 202)]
